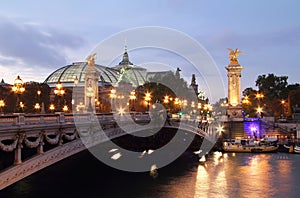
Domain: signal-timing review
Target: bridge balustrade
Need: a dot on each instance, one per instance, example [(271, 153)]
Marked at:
[(8, 120)]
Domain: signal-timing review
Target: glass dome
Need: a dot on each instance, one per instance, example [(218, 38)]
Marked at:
[(67, 74)]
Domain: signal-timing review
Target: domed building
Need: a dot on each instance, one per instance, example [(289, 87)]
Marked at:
[(125, 76), (124, 71)]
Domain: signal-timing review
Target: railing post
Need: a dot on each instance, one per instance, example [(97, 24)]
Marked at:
[(41, 119), (61, 118), (20, 120)]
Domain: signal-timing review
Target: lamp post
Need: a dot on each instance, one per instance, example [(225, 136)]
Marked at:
[(2, 105), (282, 104), (37, 107), (147, 99), (65, 108), (52, 107), (246, 100), (39, 95), (59, 91), (18, 88), (132, 98)]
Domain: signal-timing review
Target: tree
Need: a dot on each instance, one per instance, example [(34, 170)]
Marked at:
[(274, 89), (175, 87), (272, 86), (249, 102)]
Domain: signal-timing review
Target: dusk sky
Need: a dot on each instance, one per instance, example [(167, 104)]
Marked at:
[(37, 37)]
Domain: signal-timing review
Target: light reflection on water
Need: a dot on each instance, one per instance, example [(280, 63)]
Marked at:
[(221, 175), (241, 175)]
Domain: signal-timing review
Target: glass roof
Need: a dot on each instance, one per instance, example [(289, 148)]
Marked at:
[(67, 74)]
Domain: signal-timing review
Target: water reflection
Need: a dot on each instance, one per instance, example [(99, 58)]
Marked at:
[(238, 175), (221, 175)]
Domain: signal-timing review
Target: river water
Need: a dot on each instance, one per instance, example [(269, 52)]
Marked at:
[(222, 175)]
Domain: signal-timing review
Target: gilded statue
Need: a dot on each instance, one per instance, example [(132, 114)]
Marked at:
[(233, 54), (91, 60)]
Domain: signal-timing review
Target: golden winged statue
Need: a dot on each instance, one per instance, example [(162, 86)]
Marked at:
[(91, 60), (233, 54)]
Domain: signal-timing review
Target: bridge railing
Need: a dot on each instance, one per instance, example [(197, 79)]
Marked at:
[(59, 117), (8, 120)]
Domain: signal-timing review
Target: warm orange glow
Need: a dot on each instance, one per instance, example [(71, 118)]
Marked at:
[(22, 105), (166, 99), (259, 109), (65, 108), (59, 85), (113, 93), (193, 104), (132, 95), (52, 107), (176, 101), (18, 86), (59, 89), (2, 103), (234, 102), (147, 96), (199, 105), (246, 100), (37, 106), (259, 96)]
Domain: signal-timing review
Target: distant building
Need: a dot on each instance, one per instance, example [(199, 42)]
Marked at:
[(125, 73)]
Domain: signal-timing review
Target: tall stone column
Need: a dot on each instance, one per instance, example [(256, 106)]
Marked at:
[(91, 82), (234, 69)]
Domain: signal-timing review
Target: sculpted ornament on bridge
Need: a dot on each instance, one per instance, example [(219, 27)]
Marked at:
[(91, 60), (233, 54)]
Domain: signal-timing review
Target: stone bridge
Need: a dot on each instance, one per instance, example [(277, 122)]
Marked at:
[(29, 143)]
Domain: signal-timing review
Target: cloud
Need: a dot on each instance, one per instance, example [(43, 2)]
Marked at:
[(35, 45)]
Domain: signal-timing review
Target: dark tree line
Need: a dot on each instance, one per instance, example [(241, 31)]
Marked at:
[(274, 96)]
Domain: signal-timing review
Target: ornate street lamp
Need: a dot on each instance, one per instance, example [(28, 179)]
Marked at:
[(148, 99), (52, 107), (166, 99), (2, 105), (39, 94), (132, 97), (282, 104), (37, 107), (18, 88), (65, 108), (59, 91), (246, 100)]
